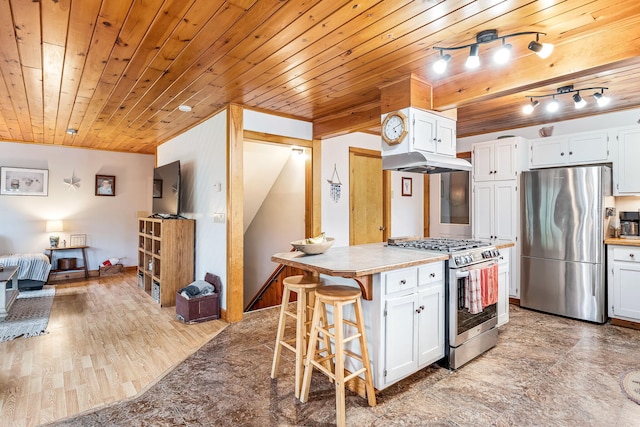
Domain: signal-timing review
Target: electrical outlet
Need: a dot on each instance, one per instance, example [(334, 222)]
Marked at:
[(610, 212), (218, 218)]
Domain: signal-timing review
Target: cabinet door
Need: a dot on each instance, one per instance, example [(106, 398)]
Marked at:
[(446, 137), (504, 161), (504, 282), (626, 290), (482, 161), (424, 131), (590, 148), (626, 171), (430, 324), (549, 152), (483, 203), (400, 337), (504, 218)]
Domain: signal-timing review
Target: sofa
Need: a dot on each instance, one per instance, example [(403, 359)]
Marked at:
[(33, 269)]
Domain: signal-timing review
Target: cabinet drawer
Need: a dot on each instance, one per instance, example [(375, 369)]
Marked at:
[(400, 280), (626, 254), (430, 273)]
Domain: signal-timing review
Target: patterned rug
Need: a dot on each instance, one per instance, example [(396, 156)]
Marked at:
[(630, 383), (28, 316)]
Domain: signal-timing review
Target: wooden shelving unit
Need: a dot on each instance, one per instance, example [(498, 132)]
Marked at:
[(165, 257)]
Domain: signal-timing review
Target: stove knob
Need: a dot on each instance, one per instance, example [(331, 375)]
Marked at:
[(457, 260)]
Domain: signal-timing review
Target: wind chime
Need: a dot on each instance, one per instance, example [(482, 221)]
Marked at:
[(334, 184)]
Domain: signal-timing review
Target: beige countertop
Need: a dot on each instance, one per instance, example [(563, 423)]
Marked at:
[(505, 245), (358, 262), (621, 241)]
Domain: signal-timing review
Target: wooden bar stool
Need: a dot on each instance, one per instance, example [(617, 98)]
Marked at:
[(337, 297), (304, 287)]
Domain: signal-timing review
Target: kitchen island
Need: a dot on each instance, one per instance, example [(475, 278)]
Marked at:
[(403, 303), (359, 262)]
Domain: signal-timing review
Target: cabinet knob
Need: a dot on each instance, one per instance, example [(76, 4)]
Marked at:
[(419, 310), (495, 171), (439, 140), (432, 275), (570, 152), (490, 172), (403, 282), (562, 154), (631, 255)]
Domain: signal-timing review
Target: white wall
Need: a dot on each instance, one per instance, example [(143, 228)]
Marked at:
[(279, 221), (406, 212), (110, 223), (202, 152)]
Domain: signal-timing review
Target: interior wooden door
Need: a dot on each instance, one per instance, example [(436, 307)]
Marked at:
[(368, 201)]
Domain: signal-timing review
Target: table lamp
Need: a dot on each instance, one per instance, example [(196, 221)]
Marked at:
[(54, 227)]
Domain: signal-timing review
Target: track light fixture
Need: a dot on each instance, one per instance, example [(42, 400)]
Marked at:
[(578, 101), (501, 56)]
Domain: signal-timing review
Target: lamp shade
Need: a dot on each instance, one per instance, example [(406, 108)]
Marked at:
[(54, 226)]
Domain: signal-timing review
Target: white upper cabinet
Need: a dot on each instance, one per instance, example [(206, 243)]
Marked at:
[(626, 172), (433, 133), (574, 149), (495, 160)]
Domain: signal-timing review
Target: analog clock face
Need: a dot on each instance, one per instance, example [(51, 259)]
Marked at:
[(394, 128)]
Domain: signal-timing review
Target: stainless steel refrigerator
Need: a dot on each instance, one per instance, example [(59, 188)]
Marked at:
[(563, 230)]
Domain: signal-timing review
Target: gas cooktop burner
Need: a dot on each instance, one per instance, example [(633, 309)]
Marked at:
[(438, 244)]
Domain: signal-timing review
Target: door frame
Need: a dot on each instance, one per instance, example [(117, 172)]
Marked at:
[(235, 194)]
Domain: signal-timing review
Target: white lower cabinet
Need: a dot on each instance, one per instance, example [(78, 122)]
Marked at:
[(504, 282), (405, 322), (624, 282)]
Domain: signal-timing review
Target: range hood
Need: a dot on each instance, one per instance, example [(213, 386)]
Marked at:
[(423, 162)]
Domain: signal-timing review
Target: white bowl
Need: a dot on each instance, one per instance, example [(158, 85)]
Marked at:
[(312, 248)]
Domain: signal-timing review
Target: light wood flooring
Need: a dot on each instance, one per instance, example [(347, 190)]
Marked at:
[(107, 341)]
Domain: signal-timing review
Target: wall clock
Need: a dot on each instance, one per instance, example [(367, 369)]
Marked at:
[(395, 127)]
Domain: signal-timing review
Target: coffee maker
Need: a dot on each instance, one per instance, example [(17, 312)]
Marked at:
[(629, 222)]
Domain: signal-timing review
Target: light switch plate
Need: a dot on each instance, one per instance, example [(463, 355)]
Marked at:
[(610, 212), (218, 218)]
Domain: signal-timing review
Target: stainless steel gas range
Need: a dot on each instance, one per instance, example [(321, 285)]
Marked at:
[(466, 335)]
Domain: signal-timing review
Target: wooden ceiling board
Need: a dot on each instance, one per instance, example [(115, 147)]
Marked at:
[(117, 70)]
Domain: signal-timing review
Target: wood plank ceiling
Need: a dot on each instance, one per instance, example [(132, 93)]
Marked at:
[(117, 70)]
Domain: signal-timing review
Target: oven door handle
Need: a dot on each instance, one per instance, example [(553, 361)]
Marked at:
[(464, 272)]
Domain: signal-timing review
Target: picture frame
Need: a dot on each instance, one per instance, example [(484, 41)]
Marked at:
[(407, 186), (24, 182), (77, 240), (105, 185), (157, 189)]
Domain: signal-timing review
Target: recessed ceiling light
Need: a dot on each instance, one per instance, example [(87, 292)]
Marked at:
[(72, 132), (184, 108)]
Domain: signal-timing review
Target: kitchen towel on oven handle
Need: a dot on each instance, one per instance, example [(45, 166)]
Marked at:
[(481, 288)]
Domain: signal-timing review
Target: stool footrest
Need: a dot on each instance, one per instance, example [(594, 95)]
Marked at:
[(354, 374), (352, 337)]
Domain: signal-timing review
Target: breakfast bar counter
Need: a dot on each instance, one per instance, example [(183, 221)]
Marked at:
[(358, 262)]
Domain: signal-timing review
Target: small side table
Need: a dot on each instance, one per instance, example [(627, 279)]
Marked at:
[(8, 294), (83, 249)]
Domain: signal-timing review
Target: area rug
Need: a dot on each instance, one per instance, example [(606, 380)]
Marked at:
[(630, 383), (28, 316)]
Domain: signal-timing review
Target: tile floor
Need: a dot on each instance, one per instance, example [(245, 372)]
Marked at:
[(545, 371)]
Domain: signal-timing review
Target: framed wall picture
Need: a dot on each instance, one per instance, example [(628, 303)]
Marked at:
[(105, 185), (407, 186), (157, 189), (78, 240), (24, 182)]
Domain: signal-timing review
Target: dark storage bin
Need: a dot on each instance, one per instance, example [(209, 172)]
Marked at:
[(198, 309), (66, 263)]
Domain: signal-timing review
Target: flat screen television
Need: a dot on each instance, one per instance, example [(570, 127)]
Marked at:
[(166, 190)]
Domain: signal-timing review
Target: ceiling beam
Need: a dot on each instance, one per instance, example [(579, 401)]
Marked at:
[(569, 61), (357, 119)]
